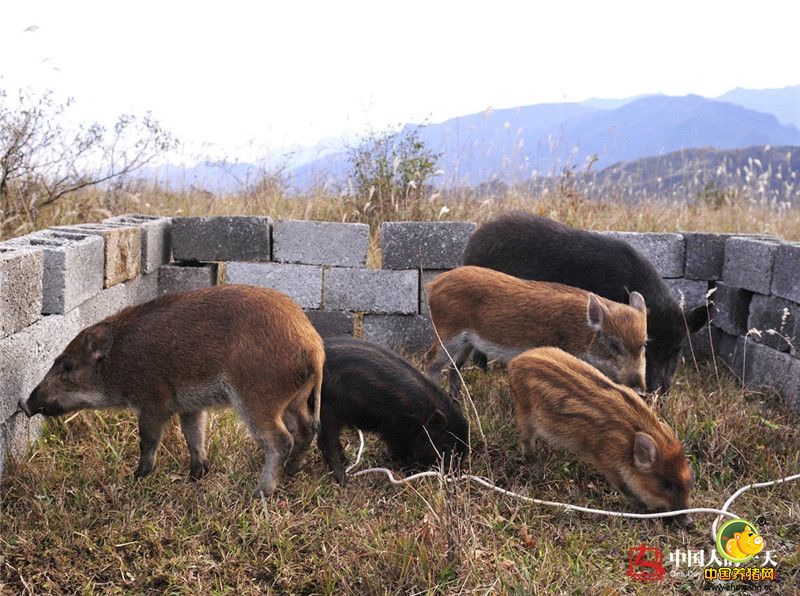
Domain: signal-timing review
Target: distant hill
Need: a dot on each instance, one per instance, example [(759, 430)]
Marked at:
[(783, 103), (514, 145)]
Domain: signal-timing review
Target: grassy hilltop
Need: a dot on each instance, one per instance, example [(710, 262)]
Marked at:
[(72, 519)]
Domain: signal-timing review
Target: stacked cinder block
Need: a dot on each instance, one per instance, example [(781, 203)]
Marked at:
[(55, 282)]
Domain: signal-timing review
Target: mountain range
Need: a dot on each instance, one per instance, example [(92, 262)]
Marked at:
[(515, 145)]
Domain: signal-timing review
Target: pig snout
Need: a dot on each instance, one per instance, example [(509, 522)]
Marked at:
[(682, 521), (23, 405)]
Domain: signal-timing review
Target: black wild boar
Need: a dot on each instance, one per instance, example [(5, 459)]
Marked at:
[(369, 387), (241, 346), (533, 247)]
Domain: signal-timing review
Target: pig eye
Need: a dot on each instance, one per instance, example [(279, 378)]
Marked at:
[(67, 366), (667, 485), (615, 346)]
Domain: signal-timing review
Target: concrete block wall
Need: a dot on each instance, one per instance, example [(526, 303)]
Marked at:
[(56, 282)]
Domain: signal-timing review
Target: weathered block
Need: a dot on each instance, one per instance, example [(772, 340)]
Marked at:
[(688, 292), (302, 283), (407, 333), (156, 249), (21, 273), (424, 244), (182, 277), (100, 306), (705, 255), (74, 267), (123, 249), (777, 320), (748, 263), (16, 434), (426, 277), (320, 243), (786, 278), (331, 323), (731, 308), (371, 290), (238, 238), (142, 289), (727, 348), (791, 388), (26, 356), (664, 251), (762, 366)]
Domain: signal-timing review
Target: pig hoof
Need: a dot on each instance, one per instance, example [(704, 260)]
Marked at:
[(197, 471), (142, 471)]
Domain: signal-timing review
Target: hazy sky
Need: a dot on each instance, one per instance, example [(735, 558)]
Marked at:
[(245, 76)]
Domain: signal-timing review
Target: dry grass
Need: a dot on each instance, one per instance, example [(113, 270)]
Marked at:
[(74, 521)]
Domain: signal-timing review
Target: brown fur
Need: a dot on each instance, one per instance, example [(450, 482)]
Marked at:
[(576, 407), (515, 315), (252, 348)]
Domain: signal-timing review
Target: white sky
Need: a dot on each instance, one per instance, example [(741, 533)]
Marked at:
[(244, 76)]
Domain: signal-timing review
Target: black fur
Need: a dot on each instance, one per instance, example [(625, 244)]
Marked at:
[(534, 247), (369, 387)]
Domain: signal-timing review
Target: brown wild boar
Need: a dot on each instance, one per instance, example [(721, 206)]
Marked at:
[(502, 316), (574, 406), (250, 348)]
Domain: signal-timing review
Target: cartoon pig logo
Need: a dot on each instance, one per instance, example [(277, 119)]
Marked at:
[(738, 541)]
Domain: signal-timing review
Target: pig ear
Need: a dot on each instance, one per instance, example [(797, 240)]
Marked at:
[(696, 318), (636, 300), (595, 313), (99, 341), (644, 452), (436, 421)]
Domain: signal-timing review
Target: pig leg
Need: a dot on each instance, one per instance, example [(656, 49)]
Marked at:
[(193, 425), (151, 428), (331, 448), (298, 421), (460, 357), (276, 442)]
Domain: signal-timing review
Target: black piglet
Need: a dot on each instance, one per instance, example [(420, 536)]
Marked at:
[(369, 387)]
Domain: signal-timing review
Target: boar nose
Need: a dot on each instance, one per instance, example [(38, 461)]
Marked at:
[(23, 405), (684, 521)]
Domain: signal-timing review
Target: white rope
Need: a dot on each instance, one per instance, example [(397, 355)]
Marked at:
[(735, 496), (483, 482)]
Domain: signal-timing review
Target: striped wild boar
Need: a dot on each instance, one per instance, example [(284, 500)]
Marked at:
[(502, 316), (250, 348), (533, 247), (369, 387), (574, 406)]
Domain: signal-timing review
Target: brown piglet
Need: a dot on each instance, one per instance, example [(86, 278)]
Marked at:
[(474, 308), (250, 348), (572, 405)]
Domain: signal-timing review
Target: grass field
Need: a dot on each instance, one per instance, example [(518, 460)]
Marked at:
[(73, 520)]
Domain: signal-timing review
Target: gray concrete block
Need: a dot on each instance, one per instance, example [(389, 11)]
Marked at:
[(786, 277), (371, 290), (156, 250), (688, 292), (762, 366), (26, 356), (731, 308), (424, 244), (123, 249), (705, 255), (332, 323), (748, 263), (103, 305), (728, 348), (238, 238), (701, 345), (74, 267), (777, 320), (182, 277), (406, 333), (21, 274), (302, 283), (320, 243), (664, 251), (791, 388), (426, 277), (142, 289)]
